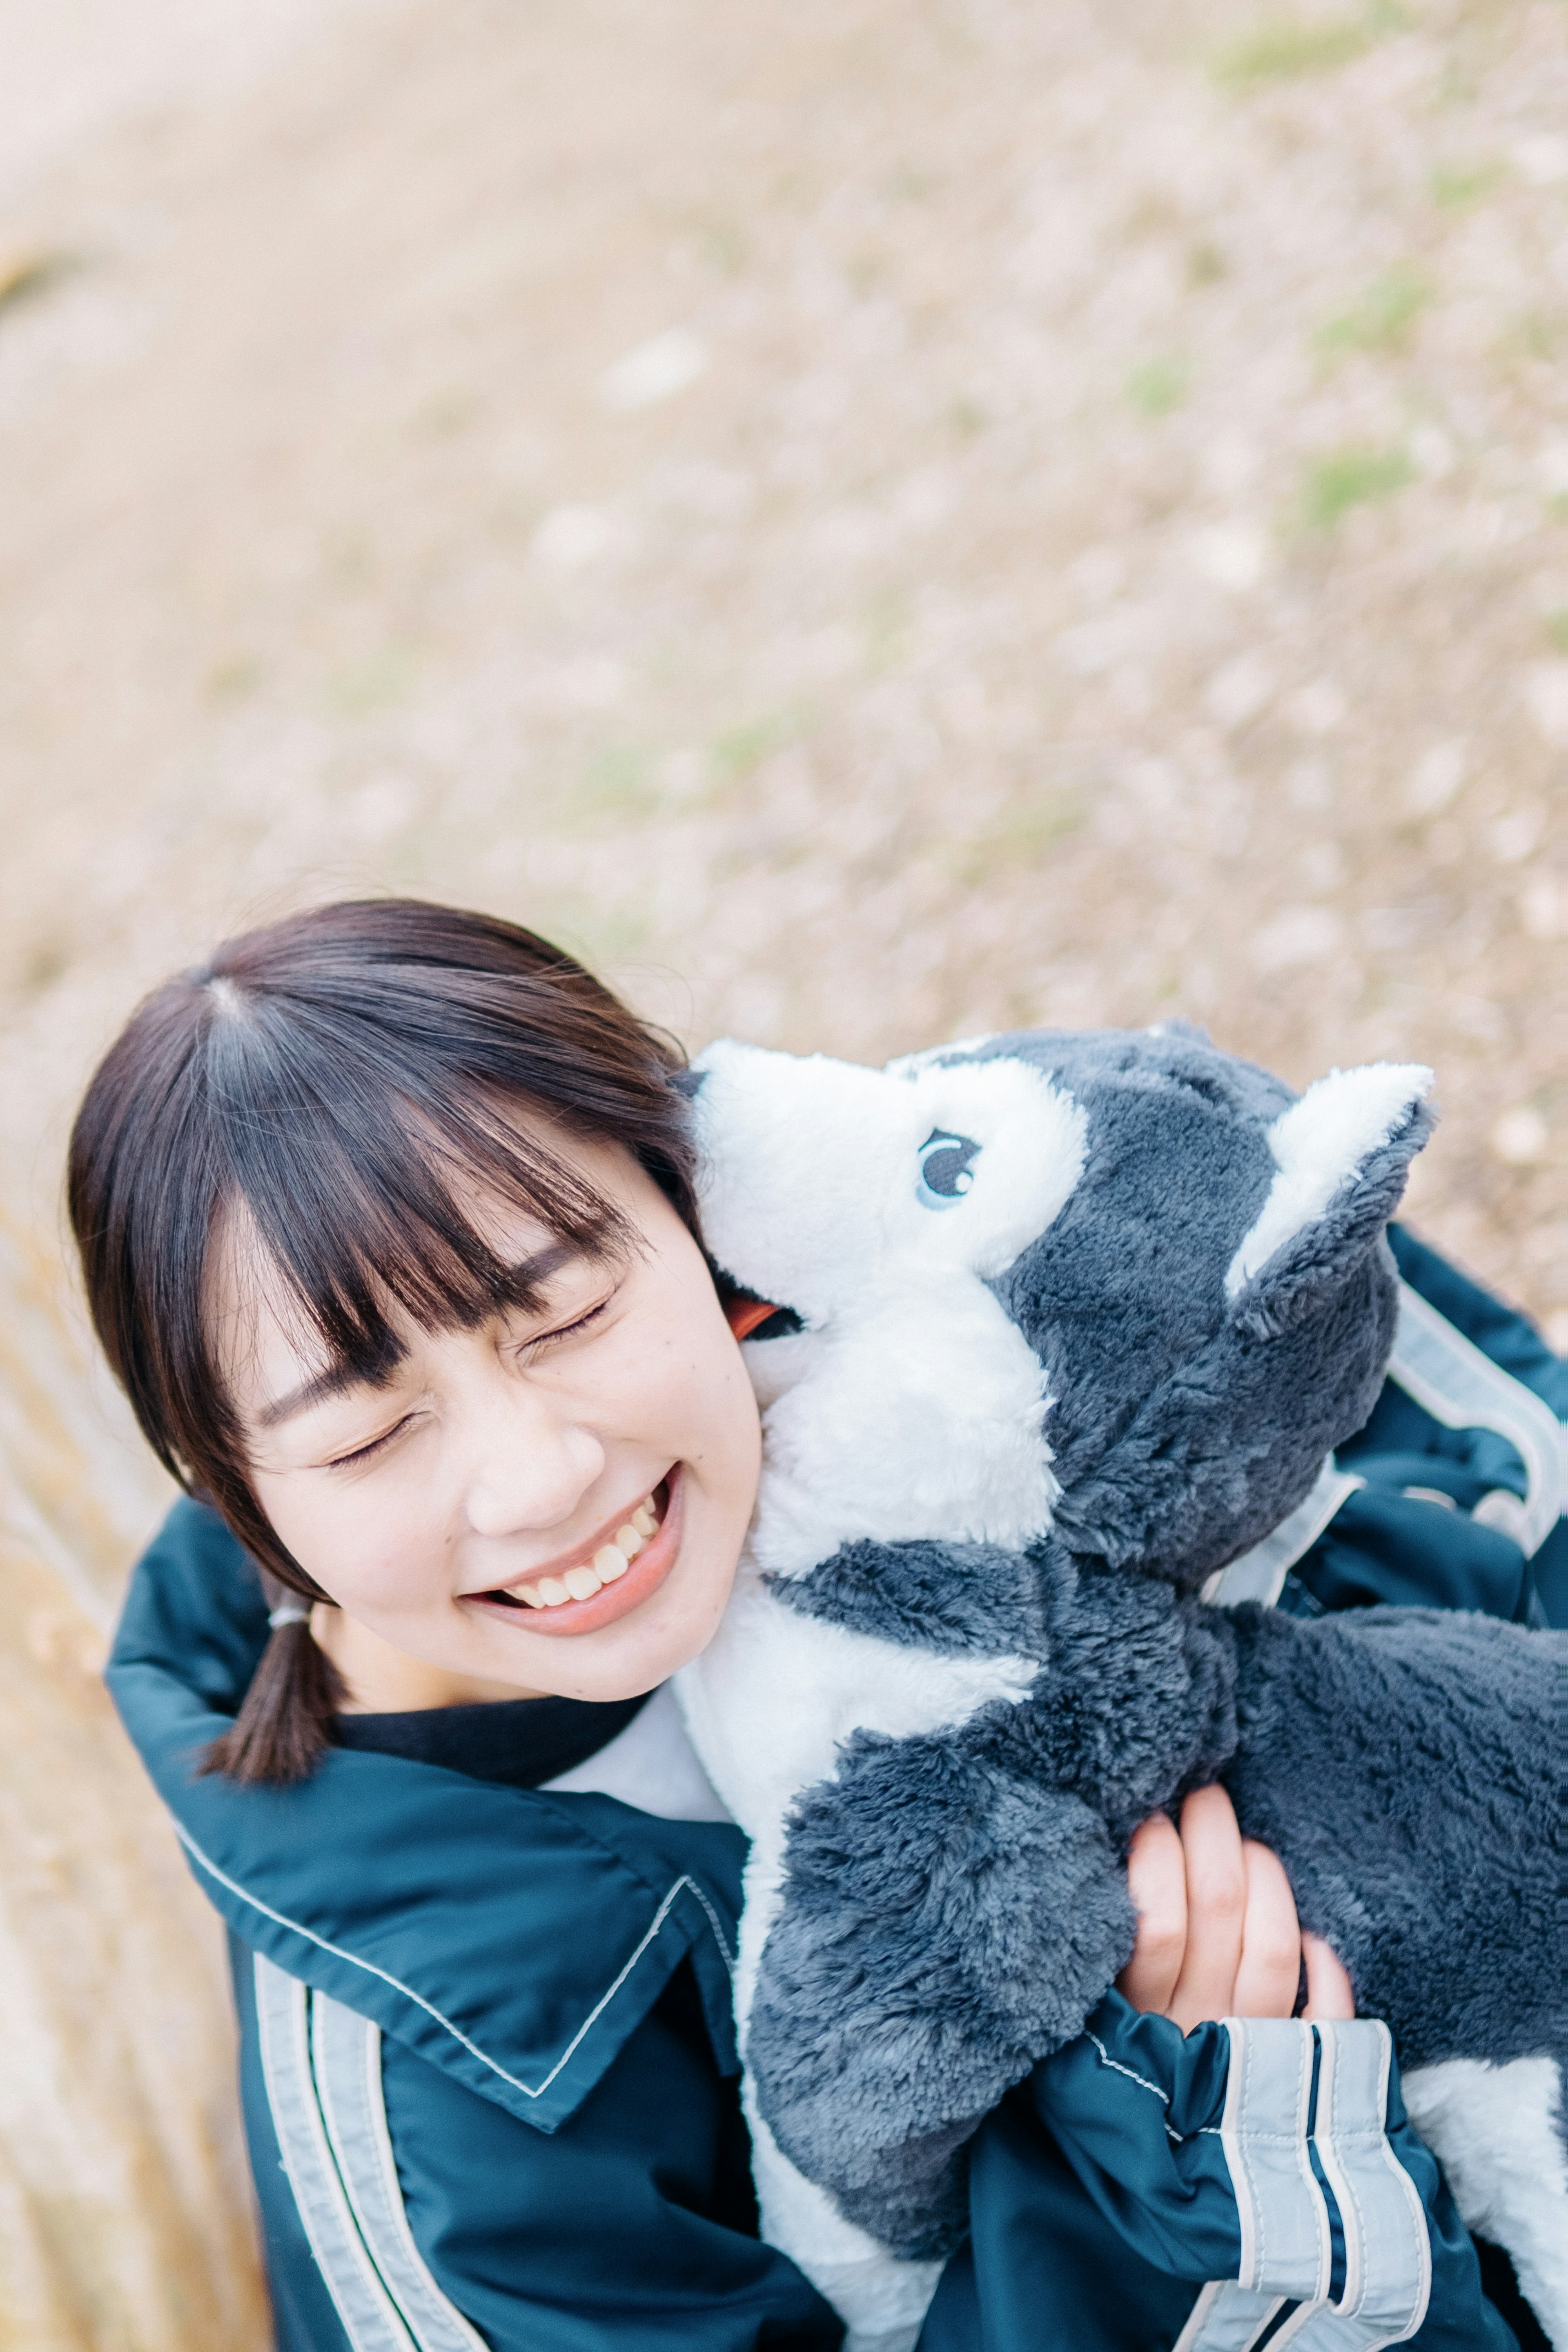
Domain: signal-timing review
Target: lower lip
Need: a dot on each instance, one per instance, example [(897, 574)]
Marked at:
[(641, 1580)]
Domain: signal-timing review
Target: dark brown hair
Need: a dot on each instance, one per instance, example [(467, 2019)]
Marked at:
[(331, 1075)]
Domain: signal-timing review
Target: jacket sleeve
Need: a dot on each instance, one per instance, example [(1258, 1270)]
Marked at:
[(1463, 1463), (401, 2213), (1147, 2190)]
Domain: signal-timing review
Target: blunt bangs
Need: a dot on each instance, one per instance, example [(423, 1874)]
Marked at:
[(347, 1082), (350, 1147)]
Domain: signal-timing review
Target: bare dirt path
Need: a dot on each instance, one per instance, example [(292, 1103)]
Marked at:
[(870, 521)]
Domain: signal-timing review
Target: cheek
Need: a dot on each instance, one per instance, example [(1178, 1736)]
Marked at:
[(725, 1432), (677, 1383), (365, 1546)]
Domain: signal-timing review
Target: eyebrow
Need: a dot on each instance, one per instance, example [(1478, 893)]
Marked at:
[(527, 1276)]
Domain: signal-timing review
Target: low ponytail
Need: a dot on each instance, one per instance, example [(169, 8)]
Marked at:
[(284, 1725)]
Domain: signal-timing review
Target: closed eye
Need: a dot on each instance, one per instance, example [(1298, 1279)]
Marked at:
[(364, 1452), (567, 1330), (539, 1339)]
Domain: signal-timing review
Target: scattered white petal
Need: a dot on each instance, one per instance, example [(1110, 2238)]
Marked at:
[(1097, 645), (1240, 691), (1309, 785), (382, 807), (927, 499), (1099, 574), (1542, 159), (571, 536), (684, 772), (654, 370), (1234, 555), (1436, 776), (1434, 452), (1543, 907), (1300, 935), (1323, 865), (591, 682), (1318, 709), (1552, 466), (1514, 836), (1388, 930), (1519, 1137), (1546, 692)]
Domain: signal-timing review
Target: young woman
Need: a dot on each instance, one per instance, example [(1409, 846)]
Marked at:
[(387, 1222)]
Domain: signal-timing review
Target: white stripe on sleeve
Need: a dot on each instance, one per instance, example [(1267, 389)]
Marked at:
[(370, 2319)]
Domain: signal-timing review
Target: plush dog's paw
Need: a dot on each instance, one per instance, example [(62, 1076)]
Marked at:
[(945, 1925)]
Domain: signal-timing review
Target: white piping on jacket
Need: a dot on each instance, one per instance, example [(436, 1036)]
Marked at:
[(1450, 1377), (529, 2091)]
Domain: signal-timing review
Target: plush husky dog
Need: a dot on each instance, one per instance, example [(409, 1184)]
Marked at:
[(1066, 1322)]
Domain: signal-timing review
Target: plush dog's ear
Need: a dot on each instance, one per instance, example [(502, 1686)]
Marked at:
[(1343, 1154)]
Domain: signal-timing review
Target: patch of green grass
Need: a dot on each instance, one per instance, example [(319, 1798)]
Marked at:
[(1281, 48), (1557, 627), (234, 679), (381, 678), (741, 748), (1381, 318), (45, 960), (887, 628), (598, 934), (1352, 475), (721, 244), (1157, 385), (24, 275), (1537, 336), (1457, 186), (617, 783), (1021, 837), (447, 411)]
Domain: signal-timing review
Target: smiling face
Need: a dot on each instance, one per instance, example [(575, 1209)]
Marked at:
[(553, 1500)]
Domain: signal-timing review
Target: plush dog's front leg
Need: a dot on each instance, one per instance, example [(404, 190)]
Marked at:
[(881, 2300), (943, 1926)]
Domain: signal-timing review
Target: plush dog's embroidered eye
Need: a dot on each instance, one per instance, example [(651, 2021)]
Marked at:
[(946, 1173)]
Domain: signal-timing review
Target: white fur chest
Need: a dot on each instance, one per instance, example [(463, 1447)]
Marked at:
[(773, 1694)]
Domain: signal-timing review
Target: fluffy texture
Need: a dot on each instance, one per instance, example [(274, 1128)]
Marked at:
[(1073, 1321)]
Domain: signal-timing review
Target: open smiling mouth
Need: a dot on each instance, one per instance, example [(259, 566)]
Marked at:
[(616, 1571)]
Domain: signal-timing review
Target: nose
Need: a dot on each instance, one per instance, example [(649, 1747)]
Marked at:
[(530, 1466)]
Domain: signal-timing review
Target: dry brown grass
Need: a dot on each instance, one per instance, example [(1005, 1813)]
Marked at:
[(1094, 545)]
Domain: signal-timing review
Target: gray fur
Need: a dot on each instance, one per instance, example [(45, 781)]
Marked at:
[(1184, 1428), (949, 1598), (955, 1904)]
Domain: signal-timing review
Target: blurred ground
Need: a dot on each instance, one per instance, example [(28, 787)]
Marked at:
[(868, 521)]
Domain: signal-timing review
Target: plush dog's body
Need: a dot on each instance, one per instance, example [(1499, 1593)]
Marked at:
[(1004, 1447)]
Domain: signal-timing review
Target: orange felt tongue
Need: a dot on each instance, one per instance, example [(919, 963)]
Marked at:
[(743, 1315)]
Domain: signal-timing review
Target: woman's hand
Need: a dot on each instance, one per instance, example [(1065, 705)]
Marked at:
[(1217, 1932)]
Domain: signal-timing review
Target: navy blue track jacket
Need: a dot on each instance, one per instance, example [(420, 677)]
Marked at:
[(488, 2062)]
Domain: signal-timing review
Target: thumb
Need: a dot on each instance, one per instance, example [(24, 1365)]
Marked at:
[(1330, 1994)]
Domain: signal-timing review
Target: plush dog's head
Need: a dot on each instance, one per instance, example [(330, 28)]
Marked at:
[(1115, 1282)]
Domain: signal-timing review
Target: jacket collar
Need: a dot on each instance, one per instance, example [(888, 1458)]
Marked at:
[(515, 1938)]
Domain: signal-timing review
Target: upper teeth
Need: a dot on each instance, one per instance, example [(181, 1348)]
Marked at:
[(590, 1575)]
